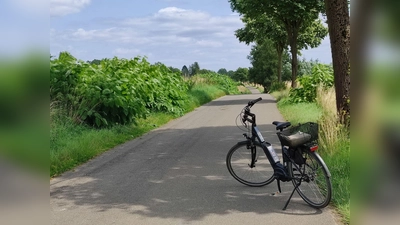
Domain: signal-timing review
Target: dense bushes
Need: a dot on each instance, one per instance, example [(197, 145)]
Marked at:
[(224, 82), (322, 75), (277, 86), (109, 89), (115, 91), (119, 91)]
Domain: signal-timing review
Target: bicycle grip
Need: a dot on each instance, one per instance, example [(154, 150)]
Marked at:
[(257, 100), (251, 103)]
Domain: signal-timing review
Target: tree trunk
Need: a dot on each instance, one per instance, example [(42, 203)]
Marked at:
[(337, 12), (279, 50), (292, 29), (293, 51)]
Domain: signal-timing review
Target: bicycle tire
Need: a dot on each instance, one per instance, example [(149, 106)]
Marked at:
[(315, 188), (238, 162)]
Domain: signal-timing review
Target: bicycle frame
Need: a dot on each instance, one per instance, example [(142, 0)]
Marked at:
[(266, 146)]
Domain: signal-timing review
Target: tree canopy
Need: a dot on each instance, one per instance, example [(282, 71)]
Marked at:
[(264, 61), (194, 69), (296, 17), (185, 71)]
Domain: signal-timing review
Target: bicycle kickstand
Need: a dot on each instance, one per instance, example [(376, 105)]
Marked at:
[(279, 185), (291, 195)]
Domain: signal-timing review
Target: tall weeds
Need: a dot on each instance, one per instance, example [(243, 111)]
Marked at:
[(335, 145), (331, 132)]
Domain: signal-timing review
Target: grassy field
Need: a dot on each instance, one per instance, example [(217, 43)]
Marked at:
[(334, 142), (72, 144)]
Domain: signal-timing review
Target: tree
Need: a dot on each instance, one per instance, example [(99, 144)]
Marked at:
[(305, 67), (257, 30), (185, 71), (174, 70), (337, 12), (95, 61), (203, 71), (223, 71), (231, 73), (159, 64), (241, 74), (264, 61), (194, 69), (295, 16)]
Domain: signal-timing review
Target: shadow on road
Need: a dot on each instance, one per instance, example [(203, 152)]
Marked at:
[(241, 102), (158, 176)]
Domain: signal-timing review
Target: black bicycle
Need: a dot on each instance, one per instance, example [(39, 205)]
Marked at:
[(255, 163)]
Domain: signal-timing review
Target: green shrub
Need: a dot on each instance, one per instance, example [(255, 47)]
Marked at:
[(224, 82), (277, 86), (307, 92), (117, 91), (64, 77)]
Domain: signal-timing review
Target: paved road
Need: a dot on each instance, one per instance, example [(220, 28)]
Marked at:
[(177, 175), (253, 90)]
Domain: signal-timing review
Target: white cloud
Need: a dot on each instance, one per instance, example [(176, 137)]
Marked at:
[(65, 7), (126, 51), (209, 43), (113, 34), (82, 34), (171, 35), (173, 13)]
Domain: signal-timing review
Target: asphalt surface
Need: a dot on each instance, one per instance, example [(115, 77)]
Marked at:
[(177, 175)]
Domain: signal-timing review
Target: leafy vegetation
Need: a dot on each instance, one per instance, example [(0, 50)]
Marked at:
[(223, 82), (116, 91), (322, 75), (293, 22), (98, 106), (277, 86), (264, 63), (334, 140), (241, 74)]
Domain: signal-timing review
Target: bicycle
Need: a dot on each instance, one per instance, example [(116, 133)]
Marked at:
[(301, 163)]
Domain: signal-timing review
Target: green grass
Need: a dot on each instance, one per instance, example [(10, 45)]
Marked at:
[(339, 165), (278, 95), (337, 157), (201, 94), (72, 144), (299, 113)]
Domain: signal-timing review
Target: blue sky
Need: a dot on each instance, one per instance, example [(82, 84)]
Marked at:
[(174, 32)]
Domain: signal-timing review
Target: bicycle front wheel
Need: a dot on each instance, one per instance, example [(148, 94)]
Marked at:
[(315, 187), (239, 160)]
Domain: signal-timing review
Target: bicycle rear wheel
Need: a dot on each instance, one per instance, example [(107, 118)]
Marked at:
[(315, 187), (238, 162)]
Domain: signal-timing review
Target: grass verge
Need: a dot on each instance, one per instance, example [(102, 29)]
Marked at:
[(334, 144), (300, 112), (72, 144)]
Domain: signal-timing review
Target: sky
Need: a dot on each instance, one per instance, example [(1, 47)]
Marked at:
[(174, 32)]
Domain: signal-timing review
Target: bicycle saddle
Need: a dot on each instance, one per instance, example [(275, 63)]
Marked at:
[(281, 125)]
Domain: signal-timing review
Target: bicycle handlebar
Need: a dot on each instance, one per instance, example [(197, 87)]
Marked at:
[(251, 103), (248, 113)]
